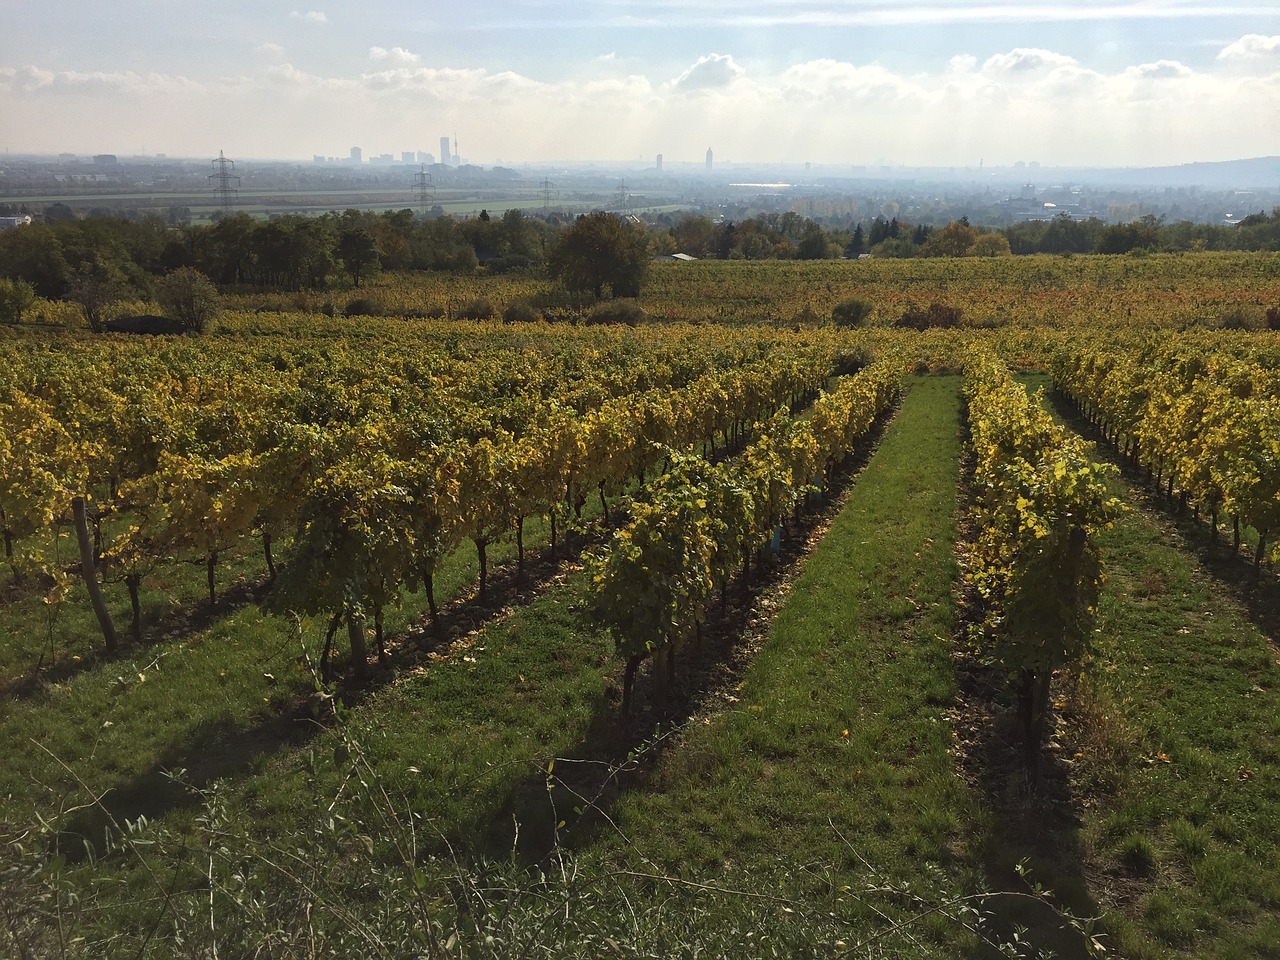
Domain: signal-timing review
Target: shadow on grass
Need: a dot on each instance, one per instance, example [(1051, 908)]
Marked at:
[(1258, 592), (216, 748), (1035, 827), (213, 749), (167, 626), (617, 753)]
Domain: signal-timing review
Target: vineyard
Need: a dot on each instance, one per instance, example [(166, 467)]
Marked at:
[(733, 632)]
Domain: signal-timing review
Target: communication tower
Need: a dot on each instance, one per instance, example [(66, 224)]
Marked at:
[(225, 183)]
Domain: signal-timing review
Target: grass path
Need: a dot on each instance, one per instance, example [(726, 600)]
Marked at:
[(1178, 762), (834, 769)]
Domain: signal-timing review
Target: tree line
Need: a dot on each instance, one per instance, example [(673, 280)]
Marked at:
[(95, 260)]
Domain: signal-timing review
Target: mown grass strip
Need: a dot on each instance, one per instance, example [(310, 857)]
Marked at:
[(1177, 760), (220, 684), (838, 751)]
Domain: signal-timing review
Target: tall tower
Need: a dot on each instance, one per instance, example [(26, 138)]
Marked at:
[(659, 163), (224, 182), (357, 155), (708, 159), (444, 151)]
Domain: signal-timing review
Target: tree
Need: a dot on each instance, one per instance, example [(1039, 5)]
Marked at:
[(990, 245), (814, 245), (953, 240), (358, 252), (190, 297), (600, 251), (95, 290), (857, 243), (35, 254), (16, 297)]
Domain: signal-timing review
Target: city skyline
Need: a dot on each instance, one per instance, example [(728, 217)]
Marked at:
[(938, 83)]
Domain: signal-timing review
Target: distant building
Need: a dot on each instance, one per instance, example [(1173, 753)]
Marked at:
[(424, 157), (659, 163), (407, 156), (8, 223), (445, 154), (357, 155), (708, 159), (105, 160)]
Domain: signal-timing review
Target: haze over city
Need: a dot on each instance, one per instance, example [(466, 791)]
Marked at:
[(939, 83)]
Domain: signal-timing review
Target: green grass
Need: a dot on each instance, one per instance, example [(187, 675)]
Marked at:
[(821, 778), (839, 718), (833, 773), (1177, 734), (207, 691)]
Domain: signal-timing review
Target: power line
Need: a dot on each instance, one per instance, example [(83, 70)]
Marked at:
[(422, 180), (225, 183)]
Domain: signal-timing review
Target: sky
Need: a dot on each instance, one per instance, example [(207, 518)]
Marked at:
[(861, 82)]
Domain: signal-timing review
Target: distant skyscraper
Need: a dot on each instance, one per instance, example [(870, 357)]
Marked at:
[(708, 159), (356, 155), (407, 156), (444, 150), (659, 163)]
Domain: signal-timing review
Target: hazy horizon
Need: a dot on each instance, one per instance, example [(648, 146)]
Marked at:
[(944, 83)]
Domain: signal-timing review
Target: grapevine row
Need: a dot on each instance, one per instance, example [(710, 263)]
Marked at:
[(1206, 423), (696, 523), (1038, 502), (373, 499)]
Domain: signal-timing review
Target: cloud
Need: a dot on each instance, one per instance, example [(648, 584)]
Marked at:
[(395, 55), (1024, 60), (1250, 47), (273, 50), (715, 71), (32, 79), (1160, 70), (1021, 103), (311, 16), (840, 81)]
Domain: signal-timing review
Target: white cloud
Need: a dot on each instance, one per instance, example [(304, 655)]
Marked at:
[(273, 50), (840, 81), (32, 79), (1025, 60), (715, 71), (1160, 70), (311, 16), (1251, 46), (1022, 103), (395, 55)]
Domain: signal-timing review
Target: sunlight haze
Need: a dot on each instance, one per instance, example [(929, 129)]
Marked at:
[(939, 83)]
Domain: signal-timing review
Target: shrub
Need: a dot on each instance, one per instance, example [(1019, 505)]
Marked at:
[(476, 310), (363, 307), (520, 311), (935, 315), (618, 311), (16, 297), (852, 313), (1243, 316), (190, 298), (1273, 318)]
